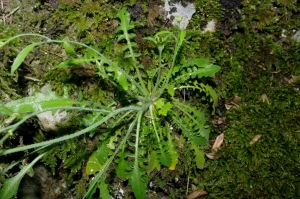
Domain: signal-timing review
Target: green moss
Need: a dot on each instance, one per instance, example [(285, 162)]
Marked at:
[(270, 166), (206, 10), (256, 60), (8, 87)]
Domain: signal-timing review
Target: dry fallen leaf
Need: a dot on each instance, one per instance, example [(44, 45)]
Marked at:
[(218, 143), (253, 75), (275, 72), (219, 120), (286, 79), (233, 102), (196, 194), (212, 156), (292, 80), (260, 66), (255, 139), (237, 99), (228, 106)]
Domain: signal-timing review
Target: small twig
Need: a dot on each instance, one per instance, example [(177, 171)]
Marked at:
[(234, 104), (187, 185), (3, 16), (31, 78), (12, 12)]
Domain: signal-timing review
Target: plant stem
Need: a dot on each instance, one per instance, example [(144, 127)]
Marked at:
[(67, 137), (144, 89), (179, 41), (152, 118), (158, 71)]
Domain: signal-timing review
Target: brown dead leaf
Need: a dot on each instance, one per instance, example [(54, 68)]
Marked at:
[(218, 143), (253, 75), (219, 120), (214, 121), (292, 80), (228, 106), (260, 66), (196, 194), (255, 139), (286, 79), (212, 156), (275, 72), (233, 102), (237, 99)]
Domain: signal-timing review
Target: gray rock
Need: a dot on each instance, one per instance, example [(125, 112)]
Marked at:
[(296, 36), (176, 11)]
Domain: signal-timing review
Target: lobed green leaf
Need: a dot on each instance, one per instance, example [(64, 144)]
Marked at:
[(104, 193), (122, 169), (137, 183), (209, 70), (153, 162), (200, 160)]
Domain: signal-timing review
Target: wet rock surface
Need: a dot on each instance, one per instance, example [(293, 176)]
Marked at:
[(42, 185)]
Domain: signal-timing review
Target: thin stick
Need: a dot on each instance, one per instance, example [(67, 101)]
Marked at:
[(187, 185), (12, 12), (31, 78), (3, 15)]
